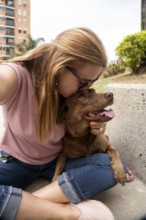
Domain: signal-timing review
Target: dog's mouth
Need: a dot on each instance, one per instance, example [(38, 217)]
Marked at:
[(104, 115)]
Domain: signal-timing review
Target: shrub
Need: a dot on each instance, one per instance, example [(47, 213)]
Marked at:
[(115, 68), (132, 50)]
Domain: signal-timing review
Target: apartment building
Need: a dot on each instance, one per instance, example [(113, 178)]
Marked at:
[(14, 25)]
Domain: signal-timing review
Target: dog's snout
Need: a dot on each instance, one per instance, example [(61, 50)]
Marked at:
[(109, 95)]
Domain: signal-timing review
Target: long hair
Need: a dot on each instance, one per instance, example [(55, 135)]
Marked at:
[(72, 47)]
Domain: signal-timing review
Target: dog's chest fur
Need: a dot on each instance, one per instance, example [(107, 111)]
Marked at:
[(75, 147)]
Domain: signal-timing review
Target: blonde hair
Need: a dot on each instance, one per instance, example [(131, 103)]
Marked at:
[(72, 47)]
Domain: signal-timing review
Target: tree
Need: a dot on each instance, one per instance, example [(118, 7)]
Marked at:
[(132, 51), (27, 44)]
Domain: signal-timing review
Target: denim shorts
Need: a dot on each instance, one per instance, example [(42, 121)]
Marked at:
[(10, 198)]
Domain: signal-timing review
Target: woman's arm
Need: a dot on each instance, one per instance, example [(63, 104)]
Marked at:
[(8, 83)]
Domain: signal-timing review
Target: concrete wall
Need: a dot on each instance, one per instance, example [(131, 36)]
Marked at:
[(127, 131)]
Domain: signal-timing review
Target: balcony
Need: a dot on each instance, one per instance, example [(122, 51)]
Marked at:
[(9, 31), (10, 22), (10, 3), (10, 41), (10, 12)]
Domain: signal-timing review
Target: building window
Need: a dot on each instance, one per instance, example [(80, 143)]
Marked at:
[(19, 21), (2, 48), (19, 2), (9, 31), (24, 4), (9, 41), (19, 12), (19, 31), (10, 3), (24, 21), (2, 8), (2, 28), (20, 40), (10, 51), (24, 31), (24, 13), (2, 38), (9, 22), (2, 18), (9, 12)]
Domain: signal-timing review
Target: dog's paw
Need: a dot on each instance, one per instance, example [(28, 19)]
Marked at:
[(120, 175), (122, 178)]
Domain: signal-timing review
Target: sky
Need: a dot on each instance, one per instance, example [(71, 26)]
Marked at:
[(111, 20)]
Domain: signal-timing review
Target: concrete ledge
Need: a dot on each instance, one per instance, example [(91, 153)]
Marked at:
[(127, 131)]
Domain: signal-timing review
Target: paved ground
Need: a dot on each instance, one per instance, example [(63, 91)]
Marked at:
[(127, 202)]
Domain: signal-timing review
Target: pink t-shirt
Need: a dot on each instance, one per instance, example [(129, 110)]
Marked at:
[(20, 117)]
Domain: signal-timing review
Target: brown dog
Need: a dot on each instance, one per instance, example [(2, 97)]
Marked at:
[(77, 111)]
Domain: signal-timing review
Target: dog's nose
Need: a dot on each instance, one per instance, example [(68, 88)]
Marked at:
[(109, 95)]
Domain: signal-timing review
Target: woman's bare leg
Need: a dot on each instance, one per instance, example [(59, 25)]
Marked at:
[(52, 192), (51, 203), (34, 208)]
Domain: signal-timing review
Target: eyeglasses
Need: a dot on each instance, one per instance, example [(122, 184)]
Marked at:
[(83, 82)]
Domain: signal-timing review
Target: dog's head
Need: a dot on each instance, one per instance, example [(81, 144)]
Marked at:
[(85, 106)]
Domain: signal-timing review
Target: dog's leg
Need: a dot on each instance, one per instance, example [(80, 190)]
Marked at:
[(59, 166), (116, 164)]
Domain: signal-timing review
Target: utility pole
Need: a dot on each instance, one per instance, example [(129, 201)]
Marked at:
[(143, 14)]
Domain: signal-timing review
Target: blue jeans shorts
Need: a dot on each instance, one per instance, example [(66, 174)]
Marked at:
[(81, 179), (10, 198)]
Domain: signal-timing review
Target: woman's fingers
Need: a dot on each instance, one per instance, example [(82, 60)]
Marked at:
[(97, 127)]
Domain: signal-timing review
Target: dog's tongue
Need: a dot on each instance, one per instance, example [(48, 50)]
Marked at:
[(108, 113), (104, 115)]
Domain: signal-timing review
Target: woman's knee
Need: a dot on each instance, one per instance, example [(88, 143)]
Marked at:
[(103, 159)]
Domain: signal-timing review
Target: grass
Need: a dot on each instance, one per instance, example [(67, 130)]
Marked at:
[(102, 82), (126, 77)]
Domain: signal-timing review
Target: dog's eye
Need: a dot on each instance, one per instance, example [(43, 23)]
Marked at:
[(81, 97)]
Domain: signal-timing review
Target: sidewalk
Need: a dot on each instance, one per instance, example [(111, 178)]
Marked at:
[(127, 202)]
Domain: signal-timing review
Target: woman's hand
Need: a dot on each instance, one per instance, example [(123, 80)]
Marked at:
[(97, 128)]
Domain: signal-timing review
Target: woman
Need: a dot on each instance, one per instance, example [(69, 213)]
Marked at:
[(32, 89)]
